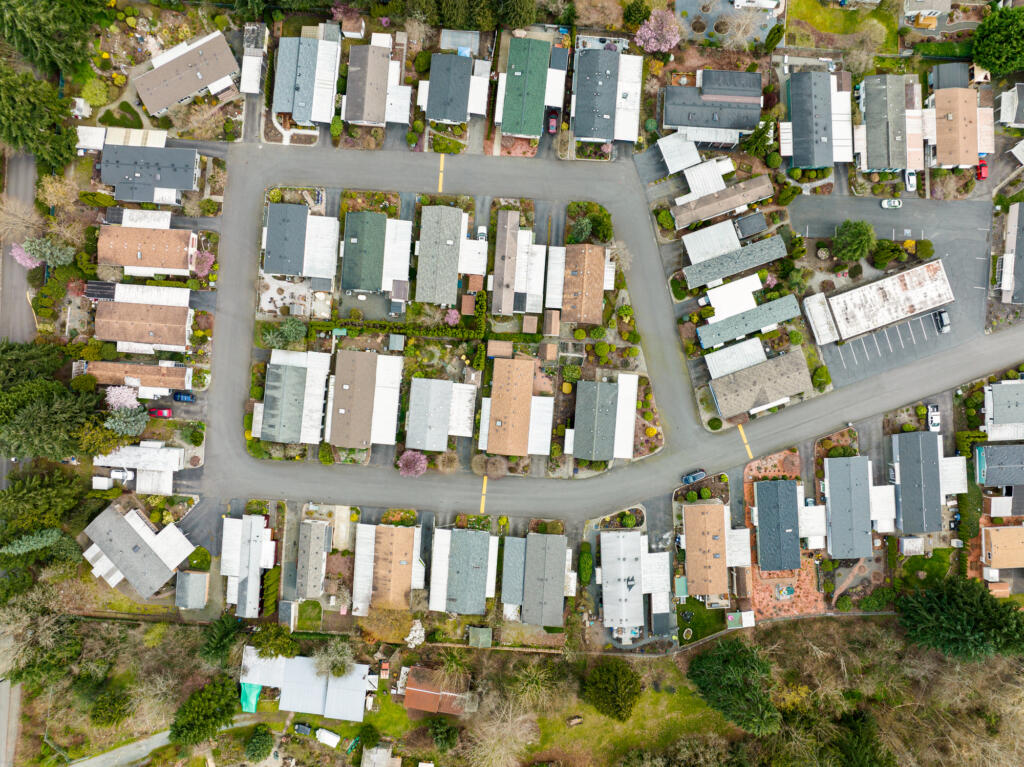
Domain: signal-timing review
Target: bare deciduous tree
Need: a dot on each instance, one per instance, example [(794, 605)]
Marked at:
[(478, 464), (742, 24), (19, 220), (501, 733), (497, 466), (386, 625), (448, 463), (859, 60), (68, 228), (205, 121), (59, 192)]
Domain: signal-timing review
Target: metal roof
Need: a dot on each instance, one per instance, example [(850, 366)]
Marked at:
[(362, 265), (544, 581), (740, 260), (136, 172), (810, 112), (426, 426), (751, 321), (778, 528), (1013, 262), (678, 152), (710, 241), (622, 578), (730, 359), (437, 267), (595, 420), (848, 506), (525, 84), (513, 569), (286, 238), (596, 80), (448, 97), (467, 570), (453, 39), (625, 415), (283, 394)]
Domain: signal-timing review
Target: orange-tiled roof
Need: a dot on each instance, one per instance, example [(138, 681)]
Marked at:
[(956, 126), (1002, 547), (508, 432), (706, 571), (155, 376), (421, 694)]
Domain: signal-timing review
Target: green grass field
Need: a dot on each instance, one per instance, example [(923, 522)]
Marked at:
[(310, 613), (935, 567), (838, 21), (704, 623)]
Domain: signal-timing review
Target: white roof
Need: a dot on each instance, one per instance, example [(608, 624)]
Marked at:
[(556, 277), (625, 415), (812, 521), (422, 94), (627, 98), (492, 567), (90, 137), (822, 324), (542, 411), (325, 81), (609, 271), (911, 546), (136, 137), (151, 294), (181, 49), (362, 573), (472, 256), (145, 219), (399, 99), (148, 455), (656, 568), (711, 241), (384, 425), (381, 39), (953, 475), (554, 88), (170, 544), (438, 597), (478, 95), (231, 547), (621, 578), (678, 152), (734, 298), (499, 102), (328, 738), (704, 178), (986, 130), (165, 196), (1018, 152), (150, 482), (736, 357), (786, 139), (842, 123), (485, 418), (891, 299), (252, 68), (737, 545), (915, 139), (318, 368), (700, 135), (397, 250), (529, 277), (883, 508), (462, 410), (320, 253), (246, 550)]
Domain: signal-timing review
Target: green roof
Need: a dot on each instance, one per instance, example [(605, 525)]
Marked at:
[(525, 83), (362, 265)]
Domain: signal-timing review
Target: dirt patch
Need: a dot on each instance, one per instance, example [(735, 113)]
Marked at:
[(601, 14), (518, 147)]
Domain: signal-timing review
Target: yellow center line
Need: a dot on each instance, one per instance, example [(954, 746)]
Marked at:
[(440, 176), (743, 436), (483, 495)]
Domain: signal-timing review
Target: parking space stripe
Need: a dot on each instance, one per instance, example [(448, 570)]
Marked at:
[(924, 331), (864, 346), (841, 357), (911, 331), (877, 347), (900, 336), (888, 340), (854, 353)]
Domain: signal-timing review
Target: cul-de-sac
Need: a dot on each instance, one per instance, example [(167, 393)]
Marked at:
[(511, 383)]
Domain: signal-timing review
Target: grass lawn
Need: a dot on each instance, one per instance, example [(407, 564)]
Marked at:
[(659, 719), (391, 720), (704, 622), (292, 25), (838, 21), (310, 613), (936, 568), (1018, 599)]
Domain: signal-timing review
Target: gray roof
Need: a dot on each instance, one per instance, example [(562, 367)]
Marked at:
[(999, 465), (284, 393), (848, 507), (885, 115), (1018, 116), (286, 238), (190, 590), (778, 525), (730, 100), (513, 570), (544, 584), (362, 266), (750, 321), (448, 94), (366, 90), (136, 171), (506, 243), (560, 59), (1017, 502), (1018, 257), (919, 492), (595, 420), (122, 545), (314, 545), (953, 74), (437, 268), (740, 260), (751, 224), (426, 425), (467, 572), (295, 77), (1007, 403), (597, 77), (810, 112), (761, 385)]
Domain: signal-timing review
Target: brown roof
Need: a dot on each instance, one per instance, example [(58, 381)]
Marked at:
[(764, 383), (355, 375), (499, 348), (583, 287), (142, 323), (366, 94), (956, 126), (999, 589), (352, 24), (506, 240), (474, 283), (549, 351), (552, 322), (530, 323), (1002, 547), (392, 568), (706, 571), (467, 305), (156, 376), (188, 74), (508, 432), (153, 248), (711, 205), (421, 694)]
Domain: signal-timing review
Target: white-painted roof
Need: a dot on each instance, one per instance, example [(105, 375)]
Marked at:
[(786, 139), (462, 410), (320, 254), (252, 69), (328, 738), (397, 250), (472, 256), (231, 547), (499, 102), (842, 123), (492, 566), (384, 425), (734, 298), (704, 178), (90, 137), (542, 411), (678, 152), (325, 81), (736, 357), (151, 294), (399, 99), (145, 219), (381, 39), (737, 545), (622, 579), (883, 508), (478, 94), (625, 415), (529, 276), (438, 597), (485, 420), (149, 456), (627, 98), (554, 88), (136, 137), (711, 241), (953, 475), (556, 277), (362, 573), (820, 317)]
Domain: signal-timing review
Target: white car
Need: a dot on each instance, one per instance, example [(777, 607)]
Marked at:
[(910, 180), (892, 204), (934, 418), (481, 232)]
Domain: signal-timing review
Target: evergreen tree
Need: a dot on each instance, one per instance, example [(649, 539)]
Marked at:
[(50, 250), (37, 501), (52, 34), (33, 116), (110, 708), (613, 688), (218, 638), (518, 13), (250, 9), (32, 542), (97, 439), (272, 640), (854, 240), (636, 13), (733, 679), (206, 711), (21, 362), (129, 421), (41, 418), (260, 744), (455, 13), (998, 42)]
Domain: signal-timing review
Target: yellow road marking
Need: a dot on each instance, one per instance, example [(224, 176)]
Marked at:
[(483, 495), (440, 176), (743, 436)]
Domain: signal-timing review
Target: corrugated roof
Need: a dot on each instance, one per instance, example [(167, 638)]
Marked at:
[(778, 528), (513, 569), (525, 84), (848, 506), (422, 694), (728, 360), (751, 321), (740, 260), (595, 420), (437, 267), (467, 571), (362, 266), (544, 587)]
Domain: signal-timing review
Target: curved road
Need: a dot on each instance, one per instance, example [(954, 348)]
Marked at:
[(231, 473)]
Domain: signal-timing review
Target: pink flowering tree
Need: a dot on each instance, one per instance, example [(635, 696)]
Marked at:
[(412, 463), (342, 12), (22, 257), (660, 33), (120, 397), (451, 318), (204, 263)]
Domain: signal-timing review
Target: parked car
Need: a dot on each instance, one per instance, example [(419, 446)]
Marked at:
[(934, 418), (942, 323), (552, 122), (704, 300), (694, 476), (481, 232), (910, 180), (982, 171), (184, 396), (122, 475), (160, 412), (892, 204)]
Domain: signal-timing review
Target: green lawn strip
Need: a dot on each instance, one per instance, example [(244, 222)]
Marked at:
[(936, 568), (704, 623), (836, 21), (310, 613)]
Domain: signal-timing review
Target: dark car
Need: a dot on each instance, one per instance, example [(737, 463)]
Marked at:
[(552, 122), (302, 729), (184, 396), (160, 412), (694, 476)]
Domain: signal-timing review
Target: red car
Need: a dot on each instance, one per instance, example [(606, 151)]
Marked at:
[(160, 412), (552, 122), (982, 170)]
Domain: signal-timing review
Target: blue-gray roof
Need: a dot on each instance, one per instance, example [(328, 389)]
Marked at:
[(726, 99), (778, 525), (953, 74), (448, 93), (751, 224), (286, 238), (363, 264), (426, 425), (885, 119), (740, 260), (810, 112), (597, 77), (999, 465), (284, 393), (190, 590), (513, 568), (544, 582), (467, 572), (595, 420), (136, 171), (848, 507), (437, 266), (919, 492), (750, 321), (295, 78), (1018, 258)]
